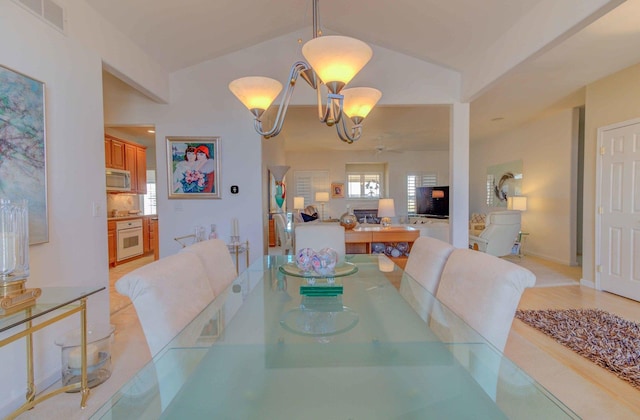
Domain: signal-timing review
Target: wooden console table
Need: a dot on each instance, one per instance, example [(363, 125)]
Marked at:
[(61, 302), (359, 240)]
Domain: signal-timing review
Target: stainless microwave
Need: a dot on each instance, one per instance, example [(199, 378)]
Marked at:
[(118, 180)]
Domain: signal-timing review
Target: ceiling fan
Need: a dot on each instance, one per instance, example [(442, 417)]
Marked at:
[(384, 149)]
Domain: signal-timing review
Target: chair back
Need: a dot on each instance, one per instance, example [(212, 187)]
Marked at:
[(500, 233), (167, 295), (321, 235), (484, 291), (216, 259), (426, 261), (284, 236)]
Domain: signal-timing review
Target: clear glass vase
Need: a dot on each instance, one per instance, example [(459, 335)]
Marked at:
[(14, 240)]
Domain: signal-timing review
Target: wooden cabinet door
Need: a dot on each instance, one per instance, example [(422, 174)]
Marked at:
[(111, 235), (154, 238), (130, 165), (117, 154), (107, 153), (141, 170), (146, 234)]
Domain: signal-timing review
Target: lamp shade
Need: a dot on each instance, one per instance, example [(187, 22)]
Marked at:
[(278, 171), (336, 58), (322, 197), (386, 208), (298, 203), (517, 203), (358, 102), (256, 92)]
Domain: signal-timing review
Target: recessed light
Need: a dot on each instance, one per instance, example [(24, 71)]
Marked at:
[(151, 131)]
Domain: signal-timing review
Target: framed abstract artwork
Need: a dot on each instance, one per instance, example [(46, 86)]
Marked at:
[(193, 167), (23, 172)]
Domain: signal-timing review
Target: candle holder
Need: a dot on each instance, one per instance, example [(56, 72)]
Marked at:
[(14, 257)]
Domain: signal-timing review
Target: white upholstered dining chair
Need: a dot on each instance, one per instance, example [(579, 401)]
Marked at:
[(484, 291), (320, 235), (216, 259), (167, 294), (426, 261)]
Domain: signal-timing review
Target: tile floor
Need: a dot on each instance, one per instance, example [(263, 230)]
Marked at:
[(130, 353)]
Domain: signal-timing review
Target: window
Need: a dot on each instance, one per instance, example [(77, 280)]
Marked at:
[(414, 180), (149, 199), (365, 180), (307, 183)]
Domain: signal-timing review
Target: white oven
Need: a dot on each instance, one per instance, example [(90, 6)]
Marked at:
[(129, 238)]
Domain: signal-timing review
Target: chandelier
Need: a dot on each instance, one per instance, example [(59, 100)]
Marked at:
[(332, 61)]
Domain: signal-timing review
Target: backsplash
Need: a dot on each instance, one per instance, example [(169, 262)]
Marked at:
[(122, 202)]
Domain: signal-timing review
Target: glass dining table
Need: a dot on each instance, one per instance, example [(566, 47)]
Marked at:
[(278, 345)]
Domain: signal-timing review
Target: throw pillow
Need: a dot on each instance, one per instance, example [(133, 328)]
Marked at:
[(309, 218)]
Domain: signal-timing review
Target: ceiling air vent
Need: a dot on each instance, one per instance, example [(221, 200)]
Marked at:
[(47, 10)]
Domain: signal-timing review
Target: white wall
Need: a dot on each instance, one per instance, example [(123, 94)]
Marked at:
[(76, 254), (399, 165), (545, 148)]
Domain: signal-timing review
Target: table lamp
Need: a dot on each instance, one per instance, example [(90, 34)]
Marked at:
[(386, 210), (322, 197), (517, 203)]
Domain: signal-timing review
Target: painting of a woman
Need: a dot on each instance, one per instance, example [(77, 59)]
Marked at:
[(193, 164)]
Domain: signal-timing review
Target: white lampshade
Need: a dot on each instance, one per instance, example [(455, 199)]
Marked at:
[(336, 58), (386, 208), (517, 203), (322, 197), (358, 102), (298, 203), (278, 171), (255, 92)]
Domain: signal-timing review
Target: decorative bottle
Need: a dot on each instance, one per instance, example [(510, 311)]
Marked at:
[(348, 219), (214, 233)]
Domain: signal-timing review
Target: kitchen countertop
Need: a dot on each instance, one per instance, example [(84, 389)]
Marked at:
[(131, 216)]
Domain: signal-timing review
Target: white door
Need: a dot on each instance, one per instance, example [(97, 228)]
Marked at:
[(618, 232)]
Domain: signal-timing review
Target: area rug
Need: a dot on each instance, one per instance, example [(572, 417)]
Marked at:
[(607, 340)]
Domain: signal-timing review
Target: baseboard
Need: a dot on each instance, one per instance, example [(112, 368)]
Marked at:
[(547, 257)]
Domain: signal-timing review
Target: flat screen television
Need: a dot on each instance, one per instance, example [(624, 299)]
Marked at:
[(433, 202)]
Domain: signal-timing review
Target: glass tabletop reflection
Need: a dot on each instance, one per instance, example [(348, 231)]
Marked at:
[(262, 349)]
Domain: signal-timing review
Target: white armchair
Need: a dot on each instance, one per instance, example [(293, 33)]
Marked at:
[(282, 234), (499, 234)]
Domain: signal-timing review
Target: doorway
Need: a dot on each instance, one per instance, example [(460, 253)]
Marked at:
[(618, 212)]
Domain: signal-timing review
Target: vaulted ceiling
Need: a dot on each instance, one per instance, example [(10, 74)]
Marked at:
[(462, 35)]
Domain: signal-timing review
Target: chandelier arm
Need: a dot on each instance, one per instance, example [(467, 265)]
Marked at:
[(343, 131), (297, 68)]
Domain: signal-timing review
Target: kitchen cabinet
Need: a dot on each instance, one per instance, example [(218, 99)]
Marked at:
[(146, 221), (154, 237), (141, 170), (111, 235), (120, 154), (114, 152), (150, 235)]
